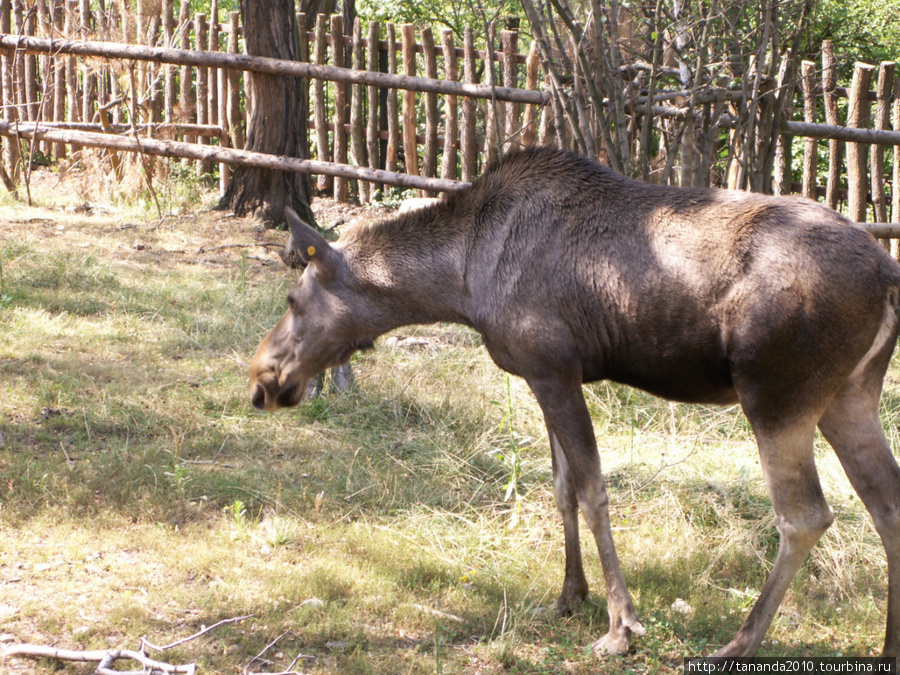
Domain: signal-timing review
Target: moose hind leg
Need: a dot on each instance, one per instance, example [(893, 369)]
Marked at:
[(786, 456), (853, 428), (569, 422), (575, 585)]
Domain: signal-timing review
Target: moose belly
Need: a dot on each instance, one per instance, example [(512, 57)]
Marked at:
[(689, 377)]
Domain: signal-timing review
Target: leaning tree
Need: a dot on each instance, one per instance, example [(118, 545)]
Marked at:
[(276, 120)]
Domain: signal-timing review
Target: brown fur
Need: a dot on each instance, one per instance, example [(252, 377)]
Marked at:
[(573, 273)]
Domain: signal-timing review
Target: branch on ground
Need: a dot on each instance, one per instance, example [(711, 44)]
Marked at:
[(106, 657)]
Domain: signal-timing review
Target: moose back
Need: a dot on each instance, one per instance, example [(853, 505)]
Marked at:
[(572, 273)]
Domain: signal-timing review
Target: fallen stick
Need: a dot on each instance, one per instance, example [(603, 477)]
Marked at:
[(103, 657), (106, 657), (236, 619)]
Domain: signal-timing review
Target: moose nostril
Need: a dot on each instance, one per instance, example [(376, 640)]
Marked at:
[(259, 398)]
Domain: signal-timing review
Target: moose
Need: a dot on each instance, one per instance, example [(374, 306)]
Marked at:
[(573, 273)]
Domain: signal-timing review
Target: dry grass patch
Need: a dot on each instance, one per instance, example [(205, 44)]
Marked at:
[(406, 527)]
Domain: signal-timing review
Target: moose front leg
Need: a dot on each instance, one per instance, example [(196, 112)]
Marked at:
[(572, 434), (575, 585)]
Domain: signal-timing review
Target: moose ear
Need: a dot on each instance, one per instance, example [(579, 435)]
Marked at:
[(310, 244)]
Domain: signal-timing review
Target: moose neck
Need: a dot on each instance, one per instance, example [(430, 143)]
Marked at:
[(409, 275)]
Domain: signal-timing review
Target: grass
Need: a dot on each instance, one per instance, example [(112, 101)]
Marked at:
[(407, 527)]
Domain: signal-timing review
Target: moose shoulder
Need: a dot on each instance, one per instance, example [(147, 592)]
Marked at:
[(573, 273)]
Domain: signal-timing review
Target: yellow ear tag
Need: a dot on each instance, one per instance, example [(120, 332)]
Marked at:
[(311, 251)]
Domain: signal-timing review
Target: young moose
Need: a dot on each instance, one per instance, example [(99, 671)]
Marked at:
[(573, 273)]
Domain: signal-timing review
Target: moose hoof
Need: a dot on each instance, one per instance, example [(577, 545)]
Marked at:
[(616, 642), (611, 645), (569, 603)]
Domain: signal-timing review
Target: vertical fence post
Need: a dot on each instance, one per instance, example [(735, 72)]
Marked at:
[(59, 81), (212, 75), (31, 72), (895, 120), (392, 149), (88, 78), (168, 21), (234, 86), (883, 95), (19, 63), (529, 132), (835, 148), (410, 142), (468, 153), (200, 41), (218, 96), (186, 99), (429, 156), (858, 117), (323, 183), (224, 141), (785, 88), (451, 107), (510, 43), (7, 84), (357, 126), (73, 110), (493, 119), (340, 105), (372, 140), (810, 149)]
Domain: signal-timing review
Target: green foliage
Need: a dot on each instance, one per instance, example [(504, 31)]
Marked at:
[(862, 30), (453, 14)]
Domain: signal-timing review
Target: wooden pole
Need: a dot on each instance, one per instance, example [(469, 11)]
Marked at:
[(235, 128), (410, 142), (884, 92), (895, 119), (46, 64), (510, 44), (357, 125), (201, 41), (186, 99), (529, 133), (59, 81), (469, 153), (372, 136), (217, 96), (212, 74), (7, 83), (323, 151), (19, 62), (31, 71), (429, 156), (835, 147), (451, 107), (810, 147), (88, 77), (341, 190), (169, 73), (164, 148), (857, 164), (493, 120), (392, 149), (302, 40)]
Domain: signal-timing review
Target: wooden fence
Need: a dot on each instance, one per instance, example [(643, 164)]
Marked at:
[(392, 101)]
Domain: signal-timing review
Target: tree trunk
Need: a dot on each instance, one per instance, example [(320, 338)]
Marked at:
[(275, 119)]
